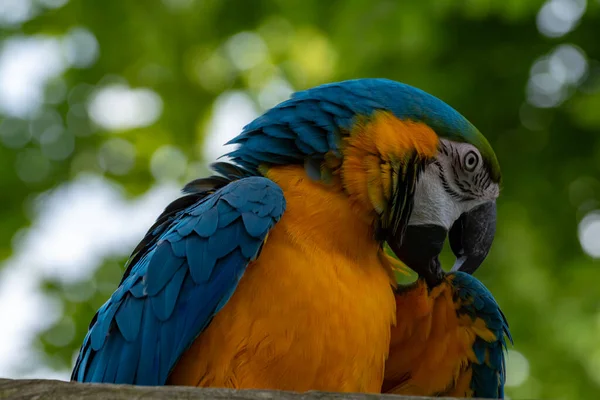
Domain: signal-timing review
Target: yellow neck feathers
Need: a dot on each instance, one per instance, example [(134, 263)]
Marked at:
[(321, 215), (375, 154)]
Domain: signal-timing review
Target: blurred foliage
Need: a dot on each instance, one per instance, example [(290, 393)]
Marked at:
[(484, 57)]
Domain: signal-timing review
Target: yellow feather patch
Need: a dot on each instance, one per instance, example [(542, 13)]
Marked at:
[(481, 330), (386, 178), (379, 149), (375, 184), (398, 266), (393, 138)]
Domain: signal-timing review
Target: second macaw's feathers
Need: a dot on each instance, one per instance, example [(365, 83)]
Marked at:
[(448, 341)]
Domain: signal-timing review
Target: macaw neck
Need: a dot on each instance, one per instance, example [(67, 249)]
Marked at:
[(321, 215)]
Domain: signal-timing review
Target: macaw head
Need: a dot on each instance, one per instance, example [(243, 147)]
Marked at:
[(455, 197), (420, 169)]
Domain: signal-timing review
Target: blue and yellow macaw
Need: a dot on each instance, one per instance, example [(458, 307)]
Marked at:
[(272, 274)]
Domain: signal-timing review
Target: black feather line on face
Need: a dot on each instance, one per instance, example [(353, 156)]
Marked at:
[(453, 193), (403, 195)]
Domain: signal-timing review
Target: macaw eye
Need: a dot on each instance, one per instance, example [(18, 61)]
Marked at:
[(471, 160)]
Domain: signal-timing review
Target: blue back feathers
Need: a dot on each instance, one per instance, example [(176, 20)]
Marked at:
[(182, 273), (488, 376), (312, 122)]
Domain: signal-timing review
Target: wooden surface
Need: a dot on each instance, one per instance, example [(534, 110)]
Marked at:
[(48, 389)]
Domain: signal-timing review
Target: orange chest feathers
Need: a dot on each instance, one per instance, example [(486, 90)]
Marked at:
[(313, 312)]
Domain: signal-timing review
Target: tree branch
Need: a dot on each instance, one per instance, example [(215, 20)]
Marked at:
[(50, 389)]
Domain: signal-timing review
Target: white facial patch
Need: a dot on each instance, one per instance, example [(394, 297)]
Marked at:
[(432, 204)]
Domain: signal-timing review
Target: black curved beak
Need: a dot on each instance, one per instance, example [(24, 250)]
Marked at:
[(419, 250), (470, 236)]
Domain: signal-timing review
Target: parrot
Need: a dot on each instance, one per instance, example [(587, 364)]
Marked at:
[(272, 273)]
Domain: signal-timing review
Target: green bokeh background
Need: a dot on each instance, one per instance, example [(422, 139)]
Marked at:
[(486, 58)]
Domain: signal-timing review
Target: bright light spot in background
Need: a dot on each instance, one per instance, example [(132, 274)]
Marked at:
[(26, 64), (116, 156), (589, 234), (117, 107), (178, 5), (81, 47), (214, 73), (29, 311), (79, 224), (231, 112), (274, 92), (558, 17), (315, 57), (168, 163), (517, 368), (15, 12), (568, 64), (551, 75), (52, 3), (57, 143), (82, 222), (246, 50)]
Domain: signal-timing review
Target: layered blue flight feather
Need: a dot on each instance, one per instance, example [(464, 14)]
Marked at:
[(489, 373), (311, 122), (179, 277)]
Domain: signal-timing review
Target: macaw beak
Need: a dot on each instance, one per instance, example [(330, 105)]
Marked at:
[(470, 236), (419, 249)]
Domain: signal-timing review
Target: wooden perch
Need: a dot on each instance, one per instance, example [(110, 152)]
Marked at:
[(55, 390)]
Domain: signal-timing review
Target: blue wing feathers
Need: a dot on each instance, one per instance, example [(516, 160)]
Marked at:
[(489, 373), (182, 273), (148, 339), (227, 214), (184, 228), (279, 131), (255, 225), (129, 317), (200, 259), (161, 268), (225, 241), (479, 348), (84, 355), (138, 289), (207, 224), (100, 331), (97, 374), (113, 348), (164, 302), (130, 351)]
